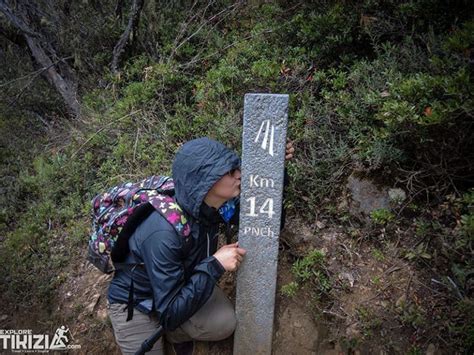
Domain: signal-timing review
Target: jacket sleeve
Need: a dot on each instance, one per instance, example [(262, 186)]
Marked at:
[(286, 180), (175, 300)]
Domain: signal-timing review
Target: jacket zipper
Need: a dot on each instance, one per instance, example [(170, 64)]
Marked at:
[(207, 244)]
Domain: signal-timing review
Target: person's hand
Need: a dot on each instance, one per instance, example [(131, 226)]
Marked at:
[(230, 256), (289, 150)]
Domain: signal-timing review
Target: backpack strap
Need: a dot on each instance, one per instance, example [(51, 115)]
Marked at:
[(121, 248), (173, 213), (164, 204)]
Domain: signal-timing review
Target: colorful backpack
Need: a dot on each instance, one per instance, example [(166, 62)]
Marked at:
[(118, 212)]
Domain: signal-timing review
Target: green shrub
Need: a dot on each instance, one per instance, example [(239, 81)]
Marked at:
[(290, 289), (383, 87), (382, 216), (311, 268)]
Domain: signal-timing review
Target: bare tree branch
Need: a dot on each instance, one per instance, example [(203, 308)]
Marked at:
[(63, 83), (203, 22), (67, 92), (16, 21), (34, 76), (119, 48)]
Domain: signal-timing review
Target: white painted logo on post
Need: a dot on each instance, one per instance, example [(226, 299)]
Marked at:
[(268, 130)]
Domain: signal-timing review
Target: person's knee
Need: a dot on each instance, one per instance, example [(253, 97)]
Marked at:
[(225, 325)]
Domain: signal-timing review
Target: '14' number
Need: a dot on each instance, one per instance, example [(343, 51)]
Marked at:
[(267, 207)]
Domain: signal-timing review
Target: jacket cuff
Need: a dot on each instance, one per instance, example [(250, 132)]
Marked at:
[(218, 266), (212, 267)]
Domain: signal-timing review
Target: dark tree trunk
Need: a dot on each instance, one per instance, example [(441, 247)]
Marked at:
[(56, 71), (65, 88), (133, 20)]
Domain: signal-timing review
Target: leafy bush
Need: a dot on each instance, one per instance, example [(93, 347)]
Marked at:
[(380, 86), (290, 289), (311, 268), (381, 216)]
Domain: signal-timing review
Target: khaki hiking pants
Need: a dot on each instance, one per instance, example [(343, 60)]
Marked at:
[(214, 321)]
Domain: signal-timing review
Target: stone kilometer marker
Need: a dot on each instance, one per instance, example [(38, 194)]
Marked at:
[(263, 158)]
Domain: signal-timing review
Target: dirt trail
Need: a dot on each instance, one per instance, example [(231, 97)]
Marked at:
[(356, 318)]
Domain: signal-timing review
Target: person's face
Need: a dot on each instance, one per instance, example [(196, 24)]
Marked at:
[(227, 186)]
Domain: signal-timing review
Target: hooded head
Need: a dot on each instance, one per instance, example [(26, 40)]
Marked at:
[(197, 166)]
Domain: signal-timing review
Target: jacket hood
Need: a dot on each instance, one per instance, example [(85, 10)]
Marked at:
[(197, 166)]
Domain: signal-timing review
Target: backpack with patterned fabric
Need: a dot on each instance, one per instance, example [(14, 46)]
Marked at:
[(118, 212)]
